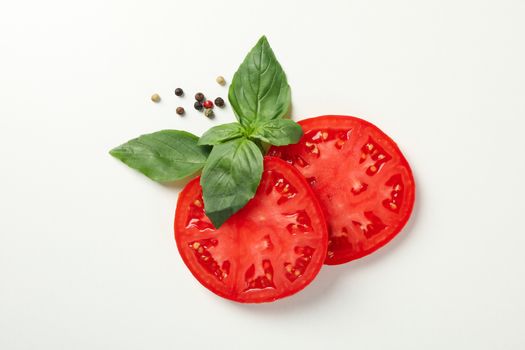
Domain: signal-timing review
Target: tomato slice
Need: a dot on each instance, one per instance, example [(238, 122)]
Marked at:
[(271, 248), (361, 178)]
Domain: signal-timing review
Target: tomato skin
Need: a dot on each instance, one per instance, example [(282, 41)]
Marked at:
[(357, 132), (238, 234)]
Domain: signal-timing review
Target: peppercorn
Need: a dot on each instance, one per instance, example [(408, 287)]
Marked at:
[(199, 96), (197, 105), (155, 98), (219, 102), (207, 104), (208, 112), (220, 80), (179, 92), (180, 110)]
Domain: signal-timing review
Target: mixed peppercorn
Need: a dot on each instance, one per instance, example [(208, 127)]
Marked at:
[(201, 104)]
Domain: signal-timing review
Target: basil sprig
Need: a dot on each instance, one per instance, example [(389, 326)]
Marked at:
[(231, 171)]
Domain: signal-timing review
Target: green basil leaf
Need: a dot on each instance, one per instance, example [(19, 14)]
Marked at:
[(278, 132), (221, 133), (163, 156), (230, 178), (259, 90)]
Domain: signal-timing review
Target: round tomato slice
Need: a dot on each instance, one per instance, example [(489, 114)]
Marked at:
[(361, 178), (271, 248)]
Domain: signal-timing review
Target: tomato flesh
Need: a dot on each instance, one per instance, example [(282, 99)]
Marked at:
[(362, 180), (270, 249)]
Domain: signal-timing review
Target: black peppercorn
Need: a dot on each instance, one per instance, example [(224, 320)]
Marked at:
[(199, 96), (180, 110), (197, 105), (179, 92), (219, 102)]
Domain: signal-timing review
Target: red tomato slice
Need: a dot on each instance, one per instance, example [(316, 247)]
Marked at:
[(361, 178), (270, 249)]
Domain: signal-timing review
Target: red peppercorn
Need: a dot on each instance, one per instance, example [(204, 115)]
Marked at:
[(207, 104)]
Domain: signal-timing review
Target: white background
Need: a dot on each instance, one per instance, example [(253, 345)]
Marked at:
[(87, 255)]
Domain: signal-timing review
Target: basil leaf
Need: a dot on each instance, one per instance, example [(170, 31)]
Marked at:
[(230, 178), (278, 132), (221, 133), (163, 156), (259, 90)]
